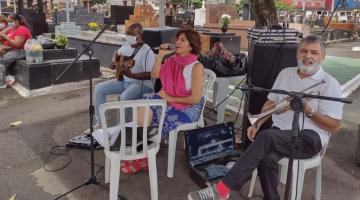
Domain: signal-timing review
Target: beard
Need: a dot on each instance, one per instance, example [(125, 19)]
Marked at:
[(308, 70)]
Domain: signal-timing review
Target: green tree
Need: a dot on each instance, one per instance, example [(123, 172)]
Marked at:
[(197, 3), (99, 1), (178, 2), (184, 3), (240, 6), (280, 5)]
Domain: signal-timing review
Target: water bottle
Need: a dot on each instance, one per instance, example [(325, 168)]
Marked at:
[(2, 76), (27, 48)]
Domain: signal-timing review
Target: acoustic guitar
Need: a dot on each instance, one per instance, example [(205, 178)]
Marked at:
[(125, 61), (120, 63)]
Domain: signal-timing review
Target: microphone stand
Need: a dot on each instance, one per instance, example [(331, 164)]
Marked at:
[(89, 52), (297, 105)]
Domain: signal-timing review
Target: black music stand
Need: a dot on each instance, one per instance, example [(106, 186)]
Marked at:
[(296, 104), (89, 52)]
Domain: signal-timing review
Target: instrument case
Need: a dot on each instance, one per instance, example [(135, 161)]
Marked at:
[(212, 145)]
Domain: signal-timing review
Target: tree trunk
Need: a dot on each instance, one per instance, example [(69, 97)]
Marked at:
[(265, 13)]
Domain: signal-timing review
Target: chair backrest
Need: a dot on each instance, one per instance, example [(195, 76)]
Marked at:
[(137, 146), (210, 78)]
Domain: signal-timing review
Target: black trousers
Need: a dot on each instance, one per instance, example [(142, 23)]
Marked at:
[(264, 153)]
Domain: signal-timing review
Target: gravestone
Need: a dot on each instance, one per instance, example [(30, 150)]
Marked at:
[(183, 19), (200, 15), (36, 21), (214, 12), (67, 28), (81, 17), (40, 75)]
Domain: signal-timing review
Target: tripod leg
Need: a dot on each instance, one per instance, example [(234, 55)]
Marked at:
[(63, 195)]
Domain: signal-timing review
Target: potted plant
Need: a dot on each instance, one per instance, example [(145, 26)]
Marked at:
[(61, 41), (225, 21)]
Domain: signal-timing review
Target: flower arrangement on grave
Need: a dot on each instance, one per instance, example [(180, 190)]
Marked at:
[(61, 41), (225, 21), (93, 26)]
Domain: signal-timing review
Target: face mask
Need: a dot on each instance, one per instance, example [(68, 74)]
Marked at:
[(2, 26), (309, 70), (11, 24), (130, 39)]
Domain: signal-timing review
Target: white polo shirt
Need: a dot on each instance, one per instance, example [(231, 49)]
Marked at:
[(144, 61), (289, 80)]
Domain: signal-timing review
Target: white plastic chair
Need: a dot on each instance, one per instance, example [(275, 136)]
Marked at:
[(210, 77), (303, 164), (113, 158)]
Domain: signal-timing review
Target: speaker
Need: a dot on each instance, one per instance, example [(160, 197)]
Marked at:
[(265, 61), (156, 36)]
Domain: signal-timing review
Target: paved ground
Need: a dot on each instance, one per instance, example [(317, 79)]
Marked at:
[(52, 119)]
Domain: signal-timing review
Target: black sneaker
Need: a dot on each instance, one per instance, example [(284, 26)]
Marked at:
[(209, 193)]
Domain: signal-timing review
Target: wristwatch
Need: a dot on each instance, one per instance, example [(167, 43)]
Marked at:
[(310, 114)]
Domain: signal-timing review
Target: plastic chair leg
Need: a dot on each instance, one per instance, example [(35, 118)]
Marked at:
[(114, 178), (107, 169), (153, 176), (318, 183), (252, 183), (171, 153), (283, 173)]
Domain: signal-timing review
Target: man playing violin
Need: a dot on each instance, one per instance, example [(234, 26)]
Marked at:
[(134, 61), (321, 119)]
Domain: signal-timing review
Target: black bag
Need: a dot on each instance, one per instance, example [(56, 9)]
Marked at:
[(222, 67)]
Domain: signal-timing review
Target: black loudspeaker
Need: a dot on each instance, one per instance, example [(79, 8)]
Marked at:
[(121, 13), (265, 61), (156, 36)]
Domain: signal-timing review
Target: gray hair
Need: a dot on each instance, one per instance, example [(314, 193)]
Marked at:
[(314, 39), (136, 26)]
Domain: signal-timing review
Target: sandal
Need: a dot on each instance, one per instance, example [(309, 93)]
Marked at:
[(134, 166)]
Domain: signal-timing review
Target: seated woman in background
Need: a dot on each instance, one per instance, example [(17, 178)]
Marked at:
[(13, 39), (182, 80), (3, 22)]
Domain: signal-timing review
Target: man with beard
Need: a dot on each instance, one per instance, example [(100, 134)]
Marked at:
[(322, 118)]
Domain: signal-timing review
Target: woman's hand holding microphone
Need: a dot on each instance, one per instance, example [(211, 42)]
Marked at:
[(166, 49)]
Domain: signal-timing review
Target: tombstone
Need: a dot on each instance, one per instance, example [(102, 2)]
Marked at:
[(183, 19), (32, 76), (81, 17), (121, 13), (68, 27), (200, 15), (35, 17), (214, 12), (246, 12)]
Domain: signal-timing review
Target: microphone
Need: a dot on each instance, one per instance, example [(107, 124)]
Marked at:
[(170, 47), (157, 49)]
